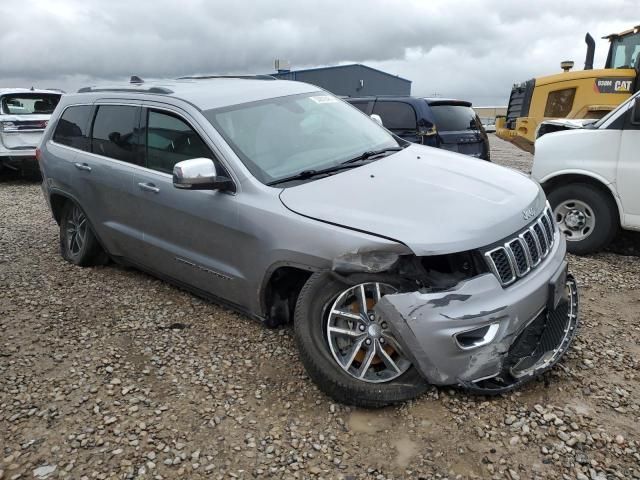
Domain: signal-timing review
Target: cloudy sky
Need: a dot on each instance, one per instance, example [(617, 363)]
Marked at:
[(471, 49)]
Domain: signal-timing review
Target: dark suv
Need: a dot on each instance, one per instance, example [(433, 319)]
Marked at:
[(438, 122)]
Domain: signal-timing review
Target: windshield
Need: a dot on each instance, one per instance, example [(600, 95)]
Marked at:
[(454, 118), (625, 50), (622, 106), (29, 103), (280, 137)]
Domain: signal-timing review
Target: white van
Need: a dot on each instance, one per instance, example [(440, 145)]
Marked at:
[(591, 174)]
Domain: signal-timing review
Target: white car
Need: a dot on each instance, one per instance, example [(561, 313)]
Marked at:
[(24, 114), (591, 174)]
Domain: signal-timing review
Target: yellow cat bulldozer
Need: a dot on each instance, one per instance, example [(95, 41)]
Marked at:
[(578, 94)]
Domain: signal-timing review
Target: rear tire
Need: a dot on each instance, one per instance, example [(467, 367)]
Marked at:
[(586, 215), (311, 316), (78, 243)]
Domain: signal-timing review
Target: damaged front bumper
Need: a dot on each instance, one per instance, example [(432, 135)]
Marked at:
[(483, 336)]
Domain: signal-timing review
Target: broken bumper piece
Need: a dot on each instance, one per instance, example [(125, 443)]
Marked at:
[(485, 337)]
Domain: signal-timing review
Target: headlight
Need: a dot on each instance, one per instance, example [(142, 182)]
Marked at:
[(428, 131), (366, 262)]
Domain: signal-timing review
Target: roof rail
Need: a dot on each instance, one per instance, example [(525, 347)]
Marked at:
[(246, 77), (160, 90)]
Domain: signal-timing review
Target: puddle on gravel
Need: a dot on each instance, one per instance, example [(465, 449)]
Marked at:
[(373, 422), (406, 448), (362, 421)]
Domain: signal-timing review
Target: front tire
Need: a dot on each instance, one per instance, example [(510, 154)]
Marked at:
[(586, 215), (78, 243), (356, 361)]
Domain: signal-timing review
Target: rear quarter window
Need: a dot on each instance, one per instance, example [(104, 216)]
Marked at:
[(73, 127)]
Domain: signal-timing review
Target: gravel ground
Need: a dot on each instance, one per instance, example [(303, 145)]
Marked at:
[(109, 373)]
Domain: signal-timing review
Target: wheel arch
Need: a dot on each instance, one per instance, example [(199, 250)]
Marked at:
[(549, 183), (280, 290), (57, 201)]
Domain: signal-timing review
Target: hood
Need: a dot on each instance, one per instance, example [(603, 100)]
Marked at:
[(560, 124), (570, 122), (433, 201)]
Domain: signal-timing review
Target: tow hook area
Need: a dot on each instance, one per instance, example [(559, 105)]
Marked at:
[(480, 336), (538, 347)]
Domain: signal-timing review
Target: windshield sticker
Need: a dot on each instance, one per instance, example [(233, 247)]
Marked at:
[(324, 99)]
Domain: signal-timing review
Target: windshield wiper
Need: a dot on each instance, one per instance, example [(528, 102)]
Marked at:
[(305, 174), (372, 153), (351, 163)]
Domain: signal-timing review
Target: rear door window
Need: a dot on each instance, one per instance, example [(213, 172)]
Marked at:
[(116, 133), (363, 106), (73, 127), (454, 118), (396, 115), (171, 140)]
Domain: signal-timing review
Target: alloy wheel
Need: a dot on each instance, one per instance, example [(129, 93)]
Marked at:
[(360, 341), (76, 231)]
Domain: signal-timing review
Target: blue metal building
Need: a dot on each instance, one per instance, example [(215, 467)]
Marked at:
[(353, 80)]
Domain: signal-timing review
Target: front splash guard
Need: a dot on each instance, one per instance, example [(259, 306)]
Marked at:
[(538, 347)]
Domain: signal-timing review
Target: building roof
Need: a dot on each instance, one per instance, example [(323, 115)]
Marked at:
[(336, 67)]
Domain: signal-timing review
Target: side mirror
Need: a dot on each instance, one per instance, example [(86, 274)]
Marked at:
[(199, 174), (635, 112), (378, 119), (426, 129)]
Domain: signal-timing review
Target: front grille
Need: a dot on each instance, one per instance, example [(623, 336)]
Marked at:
[(519, 254), (519, 102)]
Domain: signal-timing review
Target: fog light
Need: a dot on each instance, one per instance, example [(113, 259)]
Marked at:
[(477, 337)]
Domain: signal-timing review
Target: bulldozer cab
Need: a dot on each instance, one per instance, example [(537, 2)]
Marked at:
[(624, 49)]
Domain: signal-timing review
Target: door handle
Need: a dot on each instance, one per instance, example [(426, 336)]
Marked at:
[(149, 187), (82, 166)]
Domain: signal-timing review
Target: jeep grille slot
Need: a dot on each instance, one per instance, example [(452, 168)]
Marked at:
[(520, 254), (502, 265), (517, 247), (542, 240), (531, 247)]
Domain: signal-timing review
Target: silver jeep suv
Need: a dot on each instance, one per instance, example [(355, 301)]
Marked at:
[(399, 265)]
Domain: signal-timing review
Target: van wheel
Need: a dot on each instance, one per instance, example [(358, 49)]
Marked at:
[(586, 215), (349, 353), (78, 243)]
